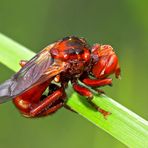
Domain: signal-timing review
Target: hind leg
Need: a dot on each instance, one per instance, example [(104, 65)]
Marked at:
[(51, 109), (32, 102), (46, 105)]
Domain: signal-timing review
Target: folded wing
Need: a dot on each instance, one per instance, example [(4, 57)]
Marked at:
[(39, 69)]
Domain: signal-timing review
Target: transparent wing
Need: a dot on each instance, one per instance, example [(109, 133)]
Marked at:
[(39, 69)]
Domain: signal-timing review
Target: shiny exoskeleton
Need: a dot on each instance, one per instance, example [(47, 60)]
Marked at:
[(68, 60)]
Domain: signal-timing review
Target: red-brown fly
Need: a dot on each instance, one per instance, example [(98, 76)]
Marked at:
[(68, 60)]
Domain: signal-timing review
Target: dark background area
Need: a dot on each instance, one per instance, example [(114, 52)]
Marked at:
[(36, 23)]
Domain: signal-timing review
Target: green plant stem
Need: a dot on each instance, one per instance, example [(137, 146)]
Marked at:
[(122, 124)]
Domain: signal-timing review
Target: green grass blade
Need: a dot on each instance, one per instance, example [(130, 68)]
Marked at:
[(123, 124), (11, 53)]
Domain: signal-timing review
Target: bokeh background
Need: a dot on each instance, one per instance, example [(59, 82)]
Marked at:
[(36, 23)]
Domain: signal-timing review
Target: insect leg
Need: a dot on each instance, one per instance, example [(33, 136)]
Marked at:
[(27, 100), (97, 82), (82, 90), (87, 93), (51, 110), (46, 102), (23, 62)]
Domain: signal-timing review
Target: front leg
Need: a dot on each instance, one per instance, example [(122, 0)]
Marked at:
[(97, 82), (88, 94)]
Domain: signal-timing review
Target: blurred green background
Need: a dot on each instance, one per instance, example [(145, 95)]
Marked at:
[(36, 23)]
